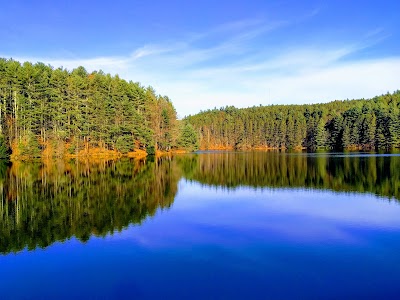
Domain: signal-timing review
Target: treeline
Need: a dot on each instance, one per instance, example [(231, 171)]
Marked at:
[(352, 124), (57, 111)]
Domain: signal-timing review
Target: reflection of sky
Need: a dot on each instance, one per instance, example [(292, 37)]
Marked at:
[(213, 215), (219, 243)]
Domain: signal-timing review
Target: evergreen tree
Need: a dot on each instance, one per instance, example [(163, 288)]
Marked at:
[(188, 138), (4, 151), (358, 124)]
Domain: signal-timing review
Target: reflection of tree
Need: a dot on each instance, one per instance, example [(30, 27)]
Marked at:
[(375, 174), (44, 203)]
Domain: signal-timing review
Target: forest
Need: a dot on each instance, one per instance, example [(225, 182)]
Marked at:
[(54, 112), (372, 124)]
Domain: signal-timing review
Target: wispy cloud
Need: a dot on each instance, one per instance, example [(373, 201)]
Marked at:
[(374, 32), (152, 50), (314, 12)]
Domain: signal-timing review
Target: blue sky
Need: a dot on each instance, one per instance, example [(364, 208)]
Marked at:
[(206, 54)]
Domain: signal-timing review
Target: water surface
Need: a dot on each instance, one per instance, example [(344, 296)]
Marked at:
[(212, 225)]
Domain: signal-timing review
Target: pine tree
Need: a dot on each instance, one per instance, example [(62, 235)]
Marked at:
[(188, 138), (4, 151)]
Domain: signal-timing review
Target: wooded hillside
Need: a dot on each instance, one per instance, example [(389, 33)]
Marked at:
[(352, 124), (55, 111)]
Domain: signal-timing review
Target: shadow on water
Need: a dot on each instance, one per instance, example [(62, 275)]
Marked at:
[(45, 202)]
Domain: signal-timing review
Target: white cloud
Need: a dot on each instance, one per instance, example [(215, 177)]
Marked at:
[(151, 50)]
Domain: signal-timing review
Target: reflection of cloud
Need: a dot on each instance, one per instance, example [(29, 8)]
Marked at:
[(246, 216), (234, 65)]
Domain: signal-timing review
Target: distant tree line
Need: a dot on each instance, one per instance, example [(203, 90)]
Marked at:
[(352, 124), (58, 112), (70, 111)]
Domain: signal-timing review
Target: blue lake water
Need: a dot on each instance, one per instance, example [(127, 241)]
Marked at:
[(203, 226)]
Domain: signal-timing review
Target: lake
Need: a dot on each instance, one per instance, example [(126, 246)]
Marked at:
[(232, 225)]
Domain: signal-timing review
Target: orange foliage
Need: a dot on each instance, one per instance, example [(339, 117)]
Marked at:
[(217, 147), (137, 154)]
